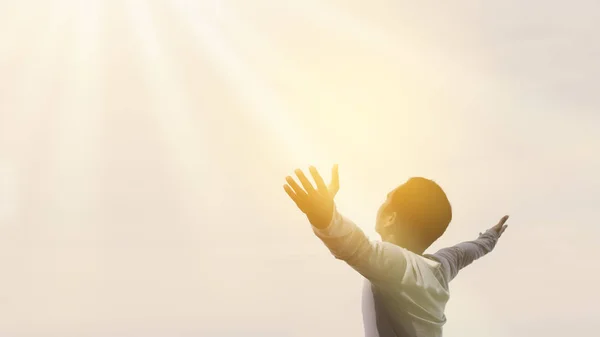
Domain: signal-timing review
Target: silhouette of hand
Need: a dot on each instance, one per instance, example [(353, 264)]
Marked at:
[(500, 227), (317, 203)]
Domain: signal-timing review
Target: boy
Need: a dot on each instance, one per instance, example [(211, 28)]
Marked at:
[(407, 290)]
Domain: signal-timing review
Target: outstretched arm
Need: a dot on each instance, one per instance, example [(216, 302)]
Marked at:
[(378, 262), (463, 254)]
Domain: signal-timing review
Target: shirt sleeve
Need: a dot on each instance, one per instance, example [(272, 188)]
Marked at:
[(380, 263), (457, 257)]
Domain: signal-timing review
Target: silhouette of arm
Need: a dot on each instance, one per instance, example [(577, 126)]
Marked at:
[(379, 262), (457, 257)]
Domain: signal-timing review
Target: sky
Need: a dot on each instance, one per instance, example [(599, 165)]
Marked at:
[(144, 145)]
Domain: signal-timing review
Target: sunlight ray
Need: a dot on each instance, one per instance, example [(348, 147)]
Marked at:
[(18, 22), (38, 92), (270, 110), (37, 70), (423, 58), (317, 100), (78, 126), (367, 35), (185, 139), (26, 56), (36, 67), (270, 55), (70, 237)]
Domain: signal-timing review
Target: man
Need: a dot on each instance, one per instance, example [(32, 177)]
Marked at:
[(406, 291)]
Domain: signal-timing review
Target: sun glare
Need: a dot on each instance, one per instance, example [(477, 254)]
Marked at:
[(269, 110), (72, 54)]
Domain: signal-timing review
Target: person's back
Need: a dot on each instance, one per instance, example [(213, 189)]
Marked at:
[(409, 290), (424, 294), (414, 308)]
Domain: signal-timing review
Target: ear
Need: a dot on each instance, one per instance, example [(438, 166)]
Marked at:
[(390, 220)]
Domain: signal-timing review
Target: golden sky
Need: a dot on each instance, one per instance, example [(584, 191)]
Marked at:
[(143, 146)]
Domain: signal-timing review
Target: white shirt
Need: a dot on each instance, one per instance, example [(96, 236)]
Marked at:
[(406, 293)]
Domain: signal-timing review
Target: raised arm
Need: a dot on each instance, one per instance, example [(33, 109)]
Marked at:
[(379, 262), (457, 257)]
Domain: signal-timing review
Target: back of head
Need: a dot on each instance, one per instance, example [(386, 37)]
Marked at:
[(422, 208)]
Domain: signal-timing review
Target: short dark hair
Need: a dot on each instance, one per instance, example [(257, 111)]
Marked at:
[(422, 203)]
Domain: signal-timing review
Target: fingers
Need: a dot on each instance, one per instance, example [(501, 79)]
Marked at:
[(502, 229), (296, 189), (498, 226), (308, 187), (334, 186), (321, 187), (290, 192), (298, 193), (292, 195)]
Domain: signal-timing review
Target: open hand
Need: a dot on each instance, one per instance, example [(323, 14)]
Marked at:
[(500, 227), (317, 203)]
